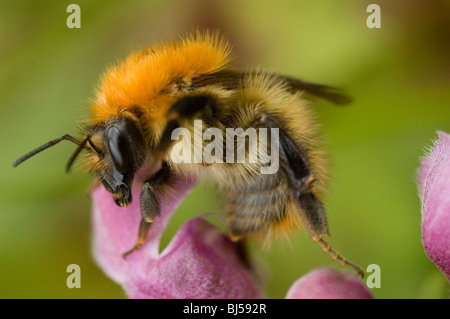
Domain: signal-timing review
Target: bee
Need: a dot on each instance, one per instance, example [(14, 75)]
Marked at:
[(141, 102)]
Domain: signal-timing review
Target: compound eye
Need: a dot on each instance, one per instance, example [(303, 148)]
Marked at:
[(118, 149)]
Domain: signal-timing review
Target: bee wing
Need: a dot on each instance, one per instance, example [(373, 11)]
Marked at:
[(227, 79), (231, 80), (329, 93)]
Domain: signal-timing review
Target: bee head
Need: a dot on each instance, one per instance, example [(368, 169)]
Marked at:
[(117, 150), (114, 152)]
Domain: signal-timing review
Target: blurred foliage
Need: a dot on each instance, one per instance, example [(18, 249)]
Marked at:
[(398, 76)]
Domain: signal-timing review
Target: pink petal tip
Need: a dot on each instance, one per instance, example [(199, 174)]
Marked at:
[(434, 180), (328, 283)]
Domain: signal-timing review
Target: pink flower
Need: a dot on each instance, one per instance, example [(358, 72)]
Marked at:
[(434, 180), (328, 283), (199, 262)]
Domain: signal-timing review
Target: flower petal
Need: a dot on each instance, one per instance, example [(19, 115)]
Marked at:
[(199, 262), (328, 284), (434, 180), (115, 228)]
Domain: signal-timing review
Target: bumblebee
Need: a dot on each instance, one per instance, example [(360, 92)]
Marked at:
[(139, 103)]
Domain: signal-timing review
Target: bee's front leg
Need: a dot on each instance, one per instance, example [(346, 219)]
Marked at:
[(150, 205)]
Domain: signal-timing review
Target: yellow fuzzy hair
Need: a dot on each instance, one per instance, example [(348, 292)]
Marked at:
[(144, 75)]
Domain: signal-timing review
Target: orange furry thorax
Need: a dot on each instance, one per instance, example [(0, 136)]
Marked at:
[(144, 80)]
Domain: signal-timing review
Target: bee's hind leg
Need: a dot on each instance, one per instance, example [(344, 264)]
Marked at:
[(300, 181), (150, 205)]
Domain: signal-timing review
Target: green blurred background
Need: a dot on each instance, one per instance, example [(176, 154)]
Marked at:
[(398, 76)]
